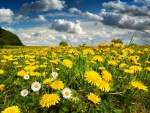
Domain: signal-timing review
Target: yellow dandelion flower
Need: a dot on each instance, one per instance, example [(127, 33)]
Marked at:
[(98, 58), (102, 68), (103, 85), (21, 73), (106, 75), (15, 63), (145, 50), (92, 77), (122, 65), (139, 85), (44, 74), (102, 44), (1, 71), (129, 71), (12, 109), (148, 68), (112, 62), (2, 87), (89, 51), (56, 61), (135, 68), (94, 98), (3, 61), (147, 62), (48, 100), (47, 81), (68, 63), (57, 85), (92, 62), (30, 68)]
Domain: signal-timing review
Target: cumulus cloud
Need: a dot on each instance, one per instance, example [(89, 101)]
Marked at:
[(145, 2), (43, 36), (40, 18), (124, 21), (124, 8), (86, 14), (67, 26), (9, 29), (42, 5), (18, 17), (117, 19), (92, 16), (73, 10), (6, 15), (37, 36), (62, 14)]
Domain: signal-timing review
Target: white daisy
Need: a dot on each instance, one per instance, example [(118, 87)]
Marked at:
[(35, 86), (54, 74), (67, 93), (26, 76), (24, 93)]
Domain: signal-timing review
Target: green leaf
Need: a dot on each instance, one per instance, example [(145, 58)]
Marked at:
[(117, 111), (98, 108), (60, 111), (30, 103), (79, 107), (132, 108), (64, 109)]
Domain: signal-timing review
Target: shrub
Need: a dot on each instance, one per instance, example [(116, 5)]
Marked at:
[(63, 44), (117, 41)]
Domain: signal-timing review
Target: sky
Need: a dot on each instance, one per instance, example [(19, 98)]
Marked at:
[(49, 22)]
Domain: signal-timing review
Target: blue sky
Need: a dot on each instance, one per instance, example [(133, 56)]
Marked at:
[(48, 22)]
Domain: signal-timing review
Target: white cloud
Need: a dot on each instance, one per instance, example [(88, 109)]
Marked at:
[(92, 16), (6, 15), (18, 17), (42, 5), (145, 2), (67, 26), (124, 21), (124, 8), (43, 36), (87, 14), (73, 10), (62, 14), (41, 18), (9, 29), (37, 36)]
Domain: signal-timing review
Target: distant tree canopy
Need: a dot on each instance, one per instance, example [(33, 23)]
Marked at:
[(63, 44), (8, 38), (117, 41)]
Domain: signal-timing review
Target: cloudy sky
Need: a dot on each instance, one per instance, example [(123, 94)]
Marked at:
[(48, 22)]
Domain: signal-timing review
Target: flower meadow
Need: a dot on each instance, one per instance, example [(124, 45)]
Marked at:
[(111, 78)]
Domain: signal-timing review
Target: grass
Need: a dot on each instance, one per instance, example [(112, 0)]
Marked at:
[(107, 71)]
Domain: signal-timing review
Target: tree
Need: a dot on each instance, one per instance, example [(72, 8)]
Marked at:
[(9, 38), (2, 42), (117, 41), (63, 44)]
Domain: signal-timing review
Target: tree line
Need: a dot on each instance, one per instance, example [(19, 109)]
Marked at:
[(9, 38)]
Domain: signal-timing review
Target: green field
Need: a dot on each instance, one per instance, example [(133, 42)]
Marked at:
[(101, 79)]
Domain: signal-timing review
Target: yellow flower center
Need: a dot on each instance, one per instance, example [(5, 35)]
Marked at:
[(66, 93), (36, 85), (24, 92)]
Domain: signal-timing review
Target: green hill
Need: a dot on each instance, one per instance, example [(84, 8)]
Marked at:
[(9, 38)]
